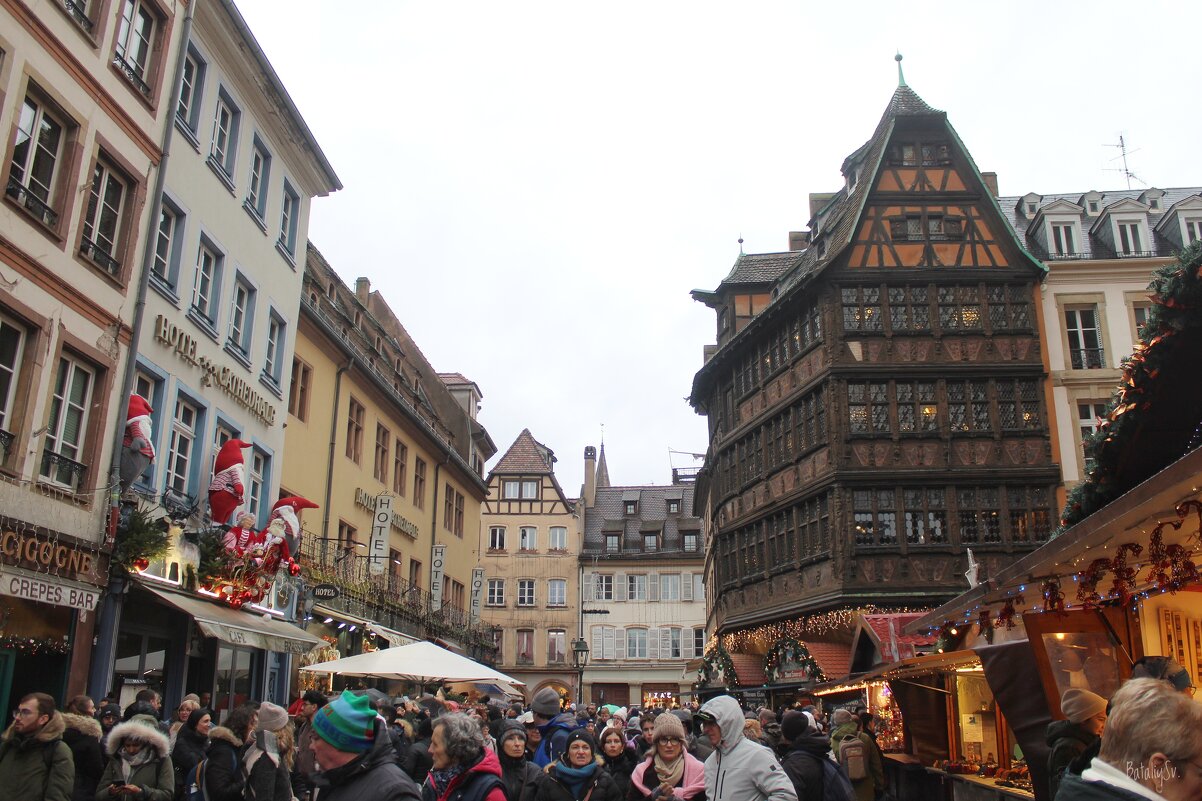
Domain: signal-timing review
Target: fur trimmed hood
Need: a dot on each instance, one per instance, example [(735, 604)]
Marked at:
[(53, 730), (89, 727), (136, 730), (227, 735)]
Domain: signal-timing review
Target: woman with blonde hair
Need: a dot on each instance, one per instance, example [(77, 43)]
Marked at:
[(267, 762)]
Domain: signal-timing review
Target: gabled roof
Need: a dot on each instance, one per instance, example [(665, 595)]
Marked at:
[(885, 631), (526, 456), (833, 657), (607, 516), (1120, 205), (1189, 202), (759, 268)]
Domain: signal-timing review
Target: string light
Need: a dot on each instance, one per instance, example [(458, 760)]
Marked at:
[(765, 635)]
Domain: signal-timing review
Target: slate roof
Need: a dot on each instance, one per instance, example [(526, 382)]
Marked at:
[(760, 268), (1012, 210), (524, 457), (602, 474), (607, 515)]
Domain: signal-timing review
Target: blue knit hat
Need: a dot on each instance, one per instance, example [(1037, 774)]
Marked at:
[(347, 723)]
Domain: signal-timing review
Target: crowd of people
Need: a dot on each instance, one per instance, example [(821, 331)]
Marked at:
[(1145, 744)]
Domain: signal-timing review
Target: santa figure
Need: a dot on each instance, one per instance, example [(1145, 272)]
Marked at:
[(288, 510), (228, 488), (242, 536), (137, 449)]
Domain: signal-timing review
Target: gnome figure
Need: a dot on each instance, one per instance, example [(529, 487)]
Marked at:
[(242, 536), (288, 510), (137, 449), (228, 488)]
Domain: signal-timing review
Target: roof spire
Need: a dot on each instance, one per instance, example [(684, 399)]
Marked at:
[(901, 76), (741, 245)]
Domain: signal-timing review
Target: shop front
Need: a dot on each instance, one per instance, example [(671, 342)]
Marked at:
[(48, 598), (661, 695), (179, 642)]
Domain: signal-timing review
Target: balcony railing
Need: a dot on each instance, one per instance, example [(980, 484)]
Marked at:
[(6, 442), (131, 73), (100, 256), (62, 471), (40, 208), (1087, 358), (79, 14)]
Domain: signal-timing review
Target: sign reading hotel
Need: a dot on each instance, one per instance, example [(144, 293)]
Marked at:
[(477, 591), (403, 525), (378, 550), (440, 559), (172, 336)]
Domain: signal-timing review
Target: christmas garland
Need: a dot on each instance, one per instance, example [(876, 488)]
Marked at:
[(1176, 301), (141, 537), (35, 645), (718, 660), (791, 650)]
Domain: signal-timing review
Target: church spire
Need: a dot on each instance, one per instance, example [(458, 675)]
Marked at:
[(901, 76), (602, 469)]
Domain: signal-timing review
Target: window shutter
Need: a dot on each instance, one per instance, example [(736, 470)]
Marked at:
[(620, 644), (652, 586), (653, 640), (698, 587), (665, 643), (598, 642), (588, 587), (619, 586), (686, 586), (686, 643), (607, 633)]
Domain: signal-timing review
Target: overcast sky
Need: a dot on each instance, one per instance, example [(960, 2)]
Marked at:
[(536, 186)]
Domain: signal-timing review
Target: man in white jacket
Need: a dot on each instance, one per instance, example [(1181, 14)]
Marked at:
[(739, 769)]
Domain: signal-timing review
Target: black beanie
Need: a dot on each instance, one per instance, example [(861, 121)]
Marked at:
[(583, 735)]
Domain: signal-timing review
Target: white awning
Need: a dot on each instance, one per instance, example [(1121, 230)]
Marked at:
[(240, 628), (395, 638)]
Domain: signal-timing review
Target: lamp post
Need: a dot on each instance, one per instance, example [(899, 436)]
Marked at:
[(580, 660)]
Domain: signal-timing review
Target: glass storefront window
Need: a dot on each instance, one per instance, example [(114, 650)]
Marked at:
[(141, 659), (234, 678)]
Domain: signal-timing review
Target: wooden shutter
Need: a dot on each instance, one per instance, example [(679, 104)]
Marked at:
[(698, 587), (598, 642), (608, 639), (653, 643), (652, 586), (686, 643), (620, 643), (686, 586), (619, 586), (665, 644)]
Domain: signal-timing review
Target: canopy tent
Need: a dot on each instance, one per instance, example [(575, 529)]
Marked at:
[(422, 662)]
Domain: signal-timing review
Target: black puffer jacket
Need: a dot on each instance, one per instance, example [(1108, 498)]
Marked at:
[(223, 771), (188, 752), (602, 787), (520, 776), (803, 764), (1068, 741), (374, 776), (620, 768), (1074, 788), (82, 736)]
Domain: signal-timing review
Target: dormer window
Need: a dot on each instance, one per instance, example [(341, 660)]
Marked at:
[(1193, 229), (912, 154), (650, 541), (632, 507), (1063, 239), (612, 543), (1154, 203), (1031, 206), (1131, 239), (1093, 207), (673, 506), (851, 178)]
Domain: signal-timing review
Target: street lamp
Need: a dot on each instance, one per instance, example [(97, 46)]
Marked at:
[(580, 660)]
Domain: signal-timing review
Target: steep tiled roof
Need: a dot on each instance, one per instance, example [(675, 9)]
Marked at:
[(608, 515), (760, 268), (834, 658), (750, 669), (451, 379), (525, 456)]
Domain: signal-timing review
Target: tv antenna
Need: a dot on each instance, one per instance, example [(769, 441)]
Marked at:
[(1126, 171)]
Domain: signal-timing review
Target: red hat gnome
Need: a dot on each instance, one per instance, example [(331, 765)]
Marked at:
[(288, 510), (227, 490), (137, 449)]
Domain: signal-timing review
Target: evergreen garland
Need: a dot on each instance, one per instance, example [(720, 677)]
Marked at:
[(718, 659), (792, 650), (212, 554), (141, 536), (1176, 301)]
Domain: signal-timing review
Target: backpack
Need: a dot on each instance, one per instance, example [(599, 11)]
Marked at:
[(853, 757), (835, 784), (194, 784)]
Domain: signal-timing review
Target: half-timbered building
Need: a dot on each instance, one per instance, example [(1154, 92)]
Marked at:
[(876, 396)]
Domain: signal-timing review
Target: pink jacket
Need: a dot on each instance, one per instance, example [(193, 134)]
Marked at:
[(692, 784)]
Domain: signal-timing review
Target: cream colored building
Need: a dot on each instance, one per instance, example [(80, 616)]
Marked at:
[(368, 416), (84, 102), (1101, 249), (531, 533), (643, 608)]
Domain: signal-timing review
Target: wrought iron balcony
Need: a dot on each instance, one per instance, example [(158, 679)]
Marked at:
[(132, 74), (6, 441), (79, 13), (100, 256), (1087, 358), (62, 471), (40, 208)]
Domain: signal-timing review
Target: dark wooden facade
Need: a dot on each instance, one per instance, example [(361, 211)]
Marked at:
[(886, 411)]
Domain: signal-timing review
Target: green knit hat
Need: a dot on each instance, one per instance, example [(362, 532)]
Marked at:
[(348, 723)]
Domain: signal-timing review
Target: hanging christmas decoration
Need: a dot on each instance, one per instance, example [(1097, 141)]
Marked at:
[(1006, 616), (1087, 585), (717, 666), (788, 655), (35, 646), (1124, 574), (985, 625), (801, 628), (251, 561), (1053, 598)]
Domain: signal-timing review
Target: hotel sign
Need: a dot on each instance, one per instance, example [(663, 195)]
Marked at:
[(398, 522), (183, 344)]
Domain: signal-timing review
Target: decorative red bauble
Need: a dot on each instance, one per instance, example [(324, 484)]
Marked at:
[(294, 569), (140, 564)]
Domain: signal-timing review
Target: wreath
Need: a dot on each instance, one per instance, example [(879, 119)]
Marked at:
[(717, 661), (791, 651)]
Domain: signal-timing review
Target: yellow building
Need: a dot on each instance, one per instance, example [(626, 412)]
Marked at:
[(531, 586), (370, 419)]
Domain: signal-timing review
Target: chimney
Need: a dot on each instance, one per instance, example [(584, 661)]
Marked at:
[(362, 289), (799, 240), (990, 179), (590, 476)]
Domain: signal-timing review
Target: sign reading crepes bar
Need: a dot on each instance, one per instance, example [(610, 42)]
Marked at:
[(46, 590)]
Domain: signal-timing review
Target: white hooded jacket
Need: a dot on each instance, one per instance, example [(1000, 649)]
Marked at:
[(739, 769)]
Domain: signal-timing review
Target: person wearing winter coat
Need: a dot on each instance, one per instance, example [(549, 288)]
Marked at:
[(109, 716), (1151, 749), (463, 767), (354, 755), (669, 773), (553, 726), (520, 775), (190, 743), (845, 725), (419, 752), (139, 763), (738, 769), (1069, 739), (223, 769), (35, 763), (618, 758), (268, 756), (578, 774), (82, 735), (807, 748)]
